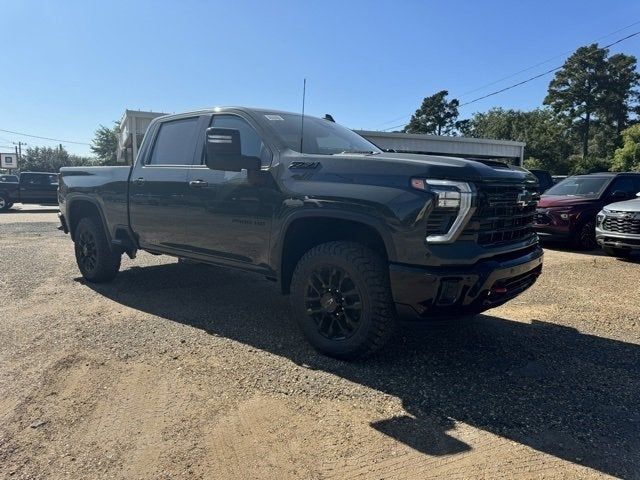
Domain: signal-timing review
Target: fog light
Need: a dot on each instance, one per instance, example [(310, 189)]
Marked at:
[(564, 216)]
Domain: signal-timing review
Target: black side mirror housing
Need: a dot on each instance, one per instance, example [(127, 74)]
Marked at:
[(223, 151)]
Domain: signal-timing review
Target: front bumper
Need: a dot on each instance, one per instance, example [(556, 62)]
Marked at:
[(549, 225), (438, 292), (617, 240)]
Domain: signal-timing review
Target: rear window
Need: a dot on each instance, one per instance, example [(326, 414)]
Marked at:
[(175, 142)]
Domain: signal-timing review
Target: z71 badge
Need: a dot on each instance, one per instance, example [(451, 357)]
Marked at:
[(304, 165)]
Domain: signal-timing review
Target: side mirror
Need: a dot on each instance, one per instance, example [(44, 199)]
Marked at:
[(223, 151)]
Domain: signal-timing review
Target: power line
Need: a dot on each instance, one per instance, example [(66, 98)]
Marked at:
[(44, 138), (524, 81), (539, 75), (544, 62)]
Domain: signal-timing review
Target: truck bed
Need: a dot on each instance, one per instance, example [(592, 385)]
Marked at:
[(104, 186)]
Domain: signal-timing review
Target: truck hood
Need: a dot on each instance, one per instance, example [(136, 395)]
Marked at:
[(362, 168), (626, 206), (550, 201)]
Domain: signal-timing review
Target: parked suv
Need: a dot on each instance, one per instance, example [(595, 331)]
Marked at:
[(618, 228), (567, 211)]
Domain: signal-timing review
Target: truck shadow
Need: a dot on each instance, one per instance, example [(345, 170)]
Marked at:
[(549, 387)]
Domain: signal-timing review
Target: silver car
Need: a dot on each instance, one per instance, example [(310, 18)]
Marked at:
[(618, 228)]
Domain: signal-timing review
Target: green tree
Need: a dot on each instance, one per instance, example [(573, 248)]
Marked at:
[(105, 144), (627, 157), (579, 90), (436, 115), (47, 159), (546, 137), (621, 94)]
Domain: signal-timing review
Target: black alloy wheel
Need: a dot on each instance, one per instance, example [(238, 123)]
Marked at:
[(86, 252), (341, 299), (334, 302)]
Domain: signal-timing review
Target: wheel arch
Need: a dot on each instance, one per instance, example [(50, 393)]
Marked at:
[(308, 229), (81, 207)]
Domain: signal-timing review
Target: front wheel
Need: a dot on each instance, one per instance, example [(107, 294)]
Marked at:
[(342, 301), (585, 238), (96, 260)]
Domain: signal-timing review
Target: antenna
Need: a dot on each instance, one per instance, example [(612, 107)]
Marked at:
[(304, 91)]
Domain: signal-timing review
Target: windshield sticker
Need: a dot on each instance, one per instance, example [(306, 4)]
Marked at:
[(274, 117)]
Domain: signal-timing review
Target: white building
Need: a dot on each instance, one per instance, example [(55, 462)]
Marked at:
[(133, 126)]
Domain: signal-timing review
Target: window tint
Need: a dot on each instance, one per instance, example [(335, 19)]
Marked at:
[(624, 184), (175, 143), (251, 144), (42, 179)]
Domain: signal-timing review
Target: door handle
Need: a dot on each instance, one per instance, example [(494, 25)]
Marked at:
[(139, 181), (198, 184)]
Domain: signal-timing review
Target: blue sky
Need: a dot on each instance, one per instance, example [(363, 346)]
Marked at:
[(72, 65)]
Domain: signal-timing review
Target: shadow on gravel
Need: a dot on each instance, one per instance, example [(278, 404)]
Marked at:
[(571, 395)]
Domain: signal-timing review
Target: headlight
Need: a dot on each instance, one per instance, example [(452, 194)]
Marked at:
[(455, 197)]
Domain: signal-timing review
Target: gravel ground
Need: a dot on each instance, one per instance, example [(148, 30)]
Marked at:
[(176, 371)]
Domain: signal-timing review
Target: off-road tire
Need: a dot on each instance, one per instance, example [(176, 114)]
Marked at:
[(4, 204), (362, 269), (96, 260), (617, 252), (585, 236)]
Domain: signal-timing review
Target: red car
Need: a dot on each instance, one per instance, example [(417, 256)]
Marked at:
[(567, 211)]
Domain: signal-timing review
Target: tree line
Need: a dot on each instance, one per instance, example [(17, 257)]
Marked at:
[(51, 159), (588, 121)]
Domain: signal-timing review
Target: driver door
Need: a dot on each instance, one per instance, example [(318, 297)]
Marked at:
[(231, 213)]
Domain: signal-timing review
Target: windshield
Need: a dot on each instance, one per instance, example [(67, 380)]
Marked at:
[(590, 187), (321, 136)]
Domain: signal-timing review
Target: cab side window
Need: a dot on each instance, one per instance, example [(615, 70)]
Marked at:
[(251, 144), (175, 142)]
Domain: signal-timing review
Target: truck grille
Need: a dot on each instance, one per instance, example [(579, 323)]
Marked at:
[(622, 222), (504, 214)]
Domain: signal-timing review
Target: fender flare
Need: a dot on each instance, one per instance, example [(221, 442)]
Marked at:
[(377, 224), (86, 198)]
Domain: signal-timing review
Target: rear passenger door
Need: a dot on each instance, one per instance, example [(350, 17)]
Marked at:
[(158, 185)]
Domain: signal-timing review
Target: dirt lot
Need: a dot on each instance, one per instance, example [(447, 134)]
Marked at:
[(177, 371)]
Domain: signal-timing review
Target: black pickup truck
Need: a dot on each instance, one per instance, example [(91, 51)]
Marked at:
[(357, 237), (31, 187)]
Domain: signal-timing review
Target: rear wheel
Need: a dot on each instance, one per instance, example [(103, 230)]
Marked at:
[(342, 301), (617, 252), (585, 237), (96, 260), (4, 204)]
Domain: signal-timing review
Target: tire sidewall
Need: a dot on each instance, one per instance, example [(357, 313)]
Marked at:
[(107, 262), (308, 326), (7, 204), (589, 225)]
